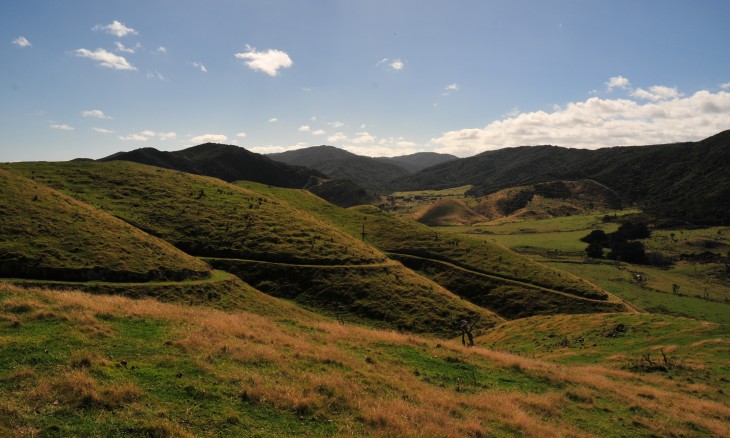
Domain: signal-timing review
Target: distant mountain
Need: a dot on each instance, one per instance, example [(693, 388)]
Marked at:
[(418, 161), (370, 173), (680, 182), (227, 162)]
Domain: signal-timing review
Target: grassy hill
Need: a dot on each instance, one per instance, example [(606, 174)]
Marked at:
[(682, 182), (81, 365), (50, 236), (367, 172), (267, 242), (226, 162), (482, 272), (546, 200), (448, 212)]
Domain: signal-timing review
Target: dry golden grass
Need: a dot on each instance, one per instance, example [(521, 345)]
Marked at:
[(349, 375)]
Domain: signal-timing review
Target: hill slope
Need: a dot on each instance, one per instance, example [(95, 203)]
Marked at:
[(227, 162), (50, 236), (547, 200), (267, 242), (78, 365), (682, 181), (370, 173), (418, 161), (448, 212)]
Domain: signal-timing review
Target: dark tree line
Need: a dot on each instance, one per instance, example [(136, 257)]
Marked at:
[(622, 244)]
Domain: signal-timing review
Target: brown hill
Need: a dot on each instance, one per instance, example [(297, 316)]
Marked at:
[(448, 212)]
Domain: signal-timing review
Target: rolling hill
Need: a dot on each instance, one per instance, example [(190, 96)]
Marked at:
[(548, 200), (46, 235), (448, 212), (481, 272), (227, 162), (370, 173), (679, 183), (268, 243), (418, 161)]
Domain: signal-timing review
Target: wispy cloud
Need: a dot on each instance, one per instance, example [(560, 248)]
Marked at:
[(391, 64), (658, 115), (148, 134), (273, 120), (22, 41), (106, 59), (268, 61), (336, 124), (200, 67), (725, 86), (122, 48), (155, 75), (115, 28), (241, 134), (162, 49), (209, 138), (95, 113), (61, 126), (103, 130), (304, 128)]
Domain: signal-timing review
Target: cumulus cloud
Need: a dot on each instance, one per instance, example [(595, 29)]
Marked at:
[(209, 138), (200, 67), (725, 86), (385, 147), (61, 126), (337, 137), (95, 113), (106, 59), (266, 61), (319, 132), (162, 49), (241, 134), (391, 64), (148, 134), (598, 122), (362, 138), (22, 41), (304, 128), (103, 130), (115, 28), (617, 82), (656, 93)]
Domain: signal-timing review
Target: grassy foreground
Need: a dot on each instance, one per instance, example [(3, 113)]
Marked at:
[(76, 364)]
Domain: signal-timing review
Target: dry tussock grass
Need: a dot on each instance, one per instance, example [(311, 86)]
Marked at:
[(320, 372)]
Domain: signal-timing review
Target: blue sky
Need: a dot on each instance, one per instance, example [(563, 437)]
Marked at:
[(90, 78)]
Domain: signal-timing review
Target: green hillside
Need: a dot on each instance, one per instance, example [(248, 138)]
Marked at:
[(267, 242), (50, 236), (497, 276), (81, 365)]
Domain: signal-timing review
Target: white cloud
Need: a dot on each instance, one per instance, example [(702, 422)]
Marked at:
[(241, 134), (122, 48), (657, 93), (385, 147), (452, 87), (304, 128), (103, 130), (271, 149), (106, 59), (22, 41), (95, 113), (336, 124), (209, 138), (337, 137), (155, 75), (273, 120), (200, 66), (162, 49), (617, 82), (319, 132), (725, 86), (392, 64), (148, 134), (61, 126), (268, 61), (598, 122), (115, 28), (362, 138)]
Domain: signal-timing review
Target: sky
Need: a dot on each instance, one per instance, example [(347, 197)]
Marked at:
[(87, 79)]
